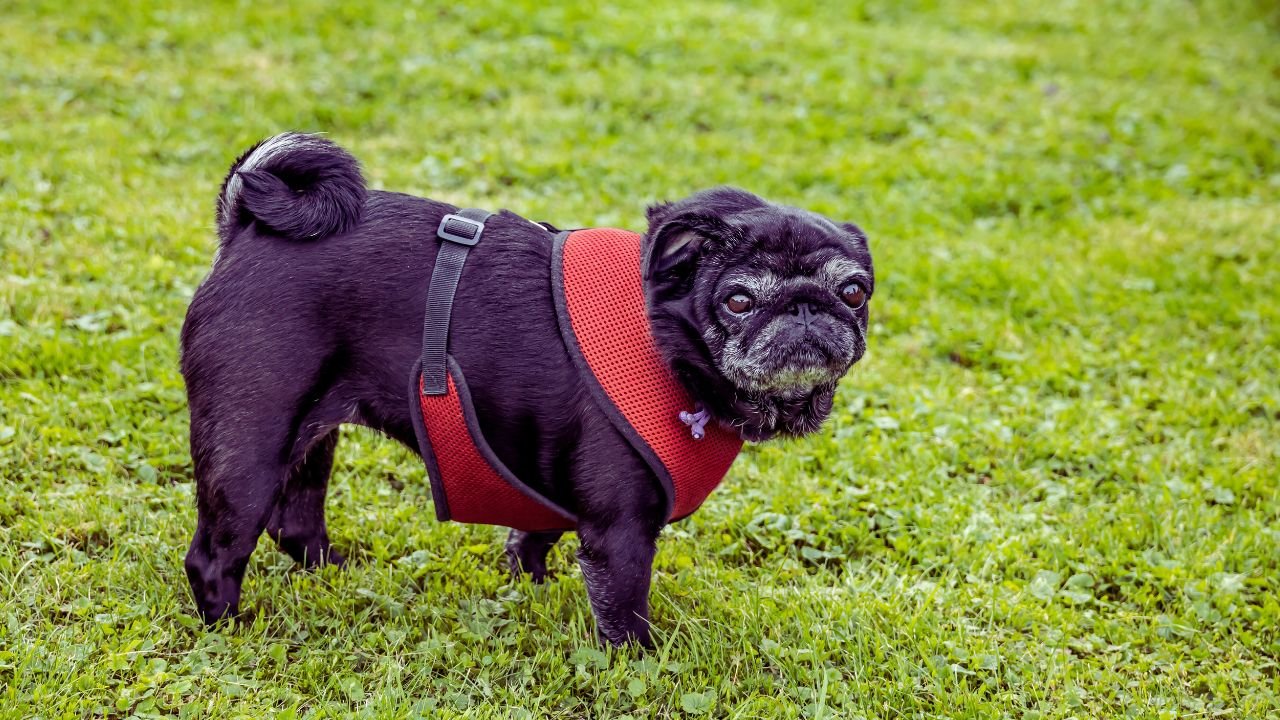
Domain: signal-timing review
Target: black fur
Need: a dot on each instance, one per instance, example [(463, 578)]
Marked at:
[(297, 186), (287, 340)]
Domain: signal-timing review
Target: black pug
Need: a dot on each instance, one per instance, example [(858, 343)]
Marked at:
[(312, 316)]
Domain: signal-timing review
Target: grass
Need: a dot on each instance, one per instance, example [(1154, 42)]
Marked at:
[(1050, 491)]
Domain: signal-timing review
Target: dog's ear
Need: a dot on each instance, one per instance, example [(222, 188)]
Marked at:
[(667, 245), (856, 232), (657, 212), (681, 233), (675, 242), (675, 247), (862, 248)]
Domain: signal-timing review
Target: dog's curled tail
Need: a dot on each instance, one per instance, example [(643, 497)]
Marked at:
[(298, 186)]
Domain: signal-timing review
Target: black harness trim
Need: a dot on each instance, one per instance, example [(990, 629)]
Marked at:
[(602, 399)]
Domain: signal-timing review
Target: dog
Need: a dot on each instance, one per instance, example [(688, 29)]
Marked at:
[(312, 317)]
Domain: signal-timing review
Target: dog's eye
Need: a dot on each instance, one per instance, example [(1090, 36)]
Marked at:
[(739, 303), (854, 295)]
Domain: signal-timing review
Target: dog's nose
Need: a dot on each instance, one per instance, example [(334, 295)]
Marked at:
[(804, 313)]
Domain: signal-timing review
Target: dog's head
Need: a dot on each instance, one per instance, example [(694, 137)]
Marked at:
[(759, 308)]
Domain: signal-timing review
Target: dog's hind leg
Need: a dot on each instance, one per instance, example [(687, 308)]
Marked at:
[(527, 552), (297, 524), (240, 469)]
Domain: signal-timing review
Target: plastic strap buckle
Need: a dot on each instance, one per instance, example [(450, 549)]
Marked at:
[(459, 229)]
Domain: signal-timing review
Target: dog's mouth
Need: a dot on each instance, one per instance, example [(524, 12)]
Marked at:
[(806, 355), (792, 362), (800, 367)]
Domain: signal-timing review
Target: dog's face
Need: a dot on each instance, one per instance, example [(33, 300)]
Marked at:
[(759, 301)]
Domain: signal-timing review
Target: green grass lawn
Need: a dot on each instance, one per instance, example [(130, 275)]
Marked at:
[(1049, 491)]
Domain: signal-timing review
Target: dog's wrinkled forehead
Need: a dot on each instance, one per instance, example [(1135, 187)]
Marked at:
[(783, 243), (718, 234)]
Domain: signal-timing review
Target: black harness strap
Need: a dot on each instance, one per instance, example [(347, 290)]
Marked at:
[(458, 232)]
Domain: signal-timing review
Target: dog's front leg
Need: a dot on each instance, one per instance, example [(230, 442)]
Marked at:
[(527, 552), (617, 565)]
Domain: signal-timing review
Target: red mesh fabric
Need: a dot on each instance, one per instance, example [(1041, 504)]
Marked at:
[(474, 491), (605, 300)]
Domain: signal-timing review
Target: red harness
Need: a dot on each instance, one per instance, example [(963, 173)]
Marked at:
[(600, 302)]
